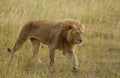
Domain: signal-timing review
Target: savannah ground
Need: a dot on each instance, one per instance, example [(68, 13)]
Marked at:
[(99, 56)]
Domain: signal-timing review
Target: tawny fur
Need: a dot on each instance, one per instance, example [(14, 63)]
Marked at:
[(62, 35)]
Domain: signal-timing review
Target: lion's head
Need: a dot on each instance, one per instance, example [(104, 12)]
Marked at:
[(72, 31)]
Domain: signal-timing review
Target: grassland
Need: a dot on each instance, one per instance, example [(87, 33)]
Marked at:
[(99, 56)]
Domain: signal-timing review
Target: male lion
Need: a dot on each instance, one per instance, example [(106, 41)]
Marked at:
[(62, 35)]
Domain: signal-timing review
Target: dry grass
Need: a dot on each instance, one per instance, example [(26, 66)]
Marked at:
[(99, 57)]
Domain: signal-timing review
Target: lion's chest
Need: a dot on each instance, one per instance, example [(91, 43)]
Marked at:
[(64, 46)]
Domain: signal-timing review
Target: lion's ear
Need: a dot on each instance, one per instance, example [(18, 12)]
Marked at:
[(69, 27), (82, 28)]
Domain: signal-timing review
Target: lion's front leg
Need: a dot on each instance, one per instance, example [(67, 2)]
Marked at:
[(52, 56), (72, 57)]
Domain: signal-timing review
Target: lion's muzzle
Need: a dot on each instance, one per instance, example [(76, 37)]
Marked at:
[(80, 42)]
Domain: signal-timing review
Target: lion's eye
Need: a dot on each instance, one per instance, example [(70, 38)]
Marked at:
[(77, 33)]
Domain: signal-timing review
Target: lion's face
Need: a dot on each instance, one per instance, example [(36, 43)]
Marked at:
[(74, 31), (76, 34)]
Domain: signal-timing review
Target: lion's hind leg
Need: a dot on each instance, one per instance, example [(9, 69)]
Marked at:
[(36, 47)]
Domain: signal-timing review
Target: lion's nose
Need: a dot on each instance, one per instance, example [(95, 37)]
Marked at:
[(81, 41)]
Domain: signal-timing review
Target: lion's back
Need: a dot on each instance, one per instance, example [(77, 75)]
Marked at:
[(42, 30)]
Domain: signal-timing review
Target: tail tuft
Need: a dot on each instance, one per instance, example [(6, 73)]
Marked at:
[(9, 50)]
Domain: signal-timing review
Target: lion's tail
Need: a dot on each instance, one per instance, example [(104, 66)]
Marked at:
[(24, 34)]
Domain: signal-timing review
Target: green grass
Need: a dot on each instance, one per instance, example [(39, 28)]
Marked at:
[(99, 56)]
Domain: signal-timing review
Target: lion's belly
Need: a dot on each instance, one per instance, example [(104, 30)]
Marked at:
[(44, 40)]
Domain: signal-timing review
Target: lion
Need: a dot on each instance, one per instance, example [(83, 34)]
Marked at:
[(62, 35)]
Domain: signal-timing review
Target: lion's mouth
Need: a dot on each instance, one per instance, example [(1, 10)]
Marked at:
[(80, 43)]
